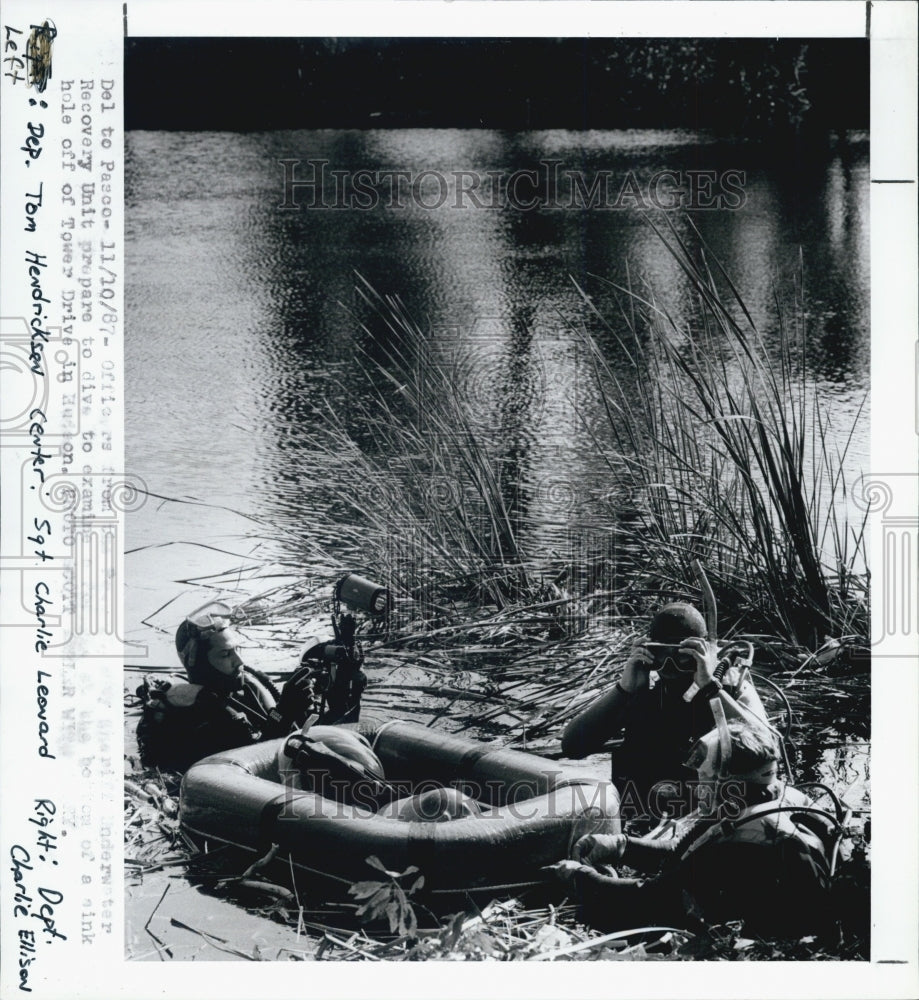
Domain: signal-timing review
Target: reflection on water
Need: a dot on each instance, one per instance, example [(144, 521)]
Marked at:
[(243, 323)]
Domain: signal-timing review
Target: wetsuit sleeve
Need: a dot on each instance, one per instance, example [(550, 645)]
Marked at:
[(803, 872), (588, 731), (775, 887), (647, 855)]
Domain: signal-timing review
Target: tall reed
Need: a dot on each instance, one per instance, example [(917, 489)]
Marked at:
[(426, 496), (730, 458)]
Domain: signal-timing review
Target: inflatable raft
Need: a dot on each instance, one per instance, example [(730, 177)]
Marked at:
[(532, 810)]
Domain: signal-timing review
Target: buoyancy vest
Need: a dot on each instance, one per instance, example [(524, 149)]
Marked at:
[(769, 865), (182, 722)]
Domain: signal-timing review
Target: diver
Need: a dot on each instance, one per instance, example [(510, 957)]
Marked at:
[(226, 704), (658, 709), (754, 849)]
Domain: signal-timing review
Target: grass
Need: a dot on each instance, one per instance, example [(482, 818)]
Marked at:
[(728, 454), (431, 510)]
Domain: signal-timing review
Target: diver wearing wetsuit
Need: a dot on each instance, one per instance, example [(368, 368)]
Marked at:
[(658, 725), (754, 849), (224, 704)]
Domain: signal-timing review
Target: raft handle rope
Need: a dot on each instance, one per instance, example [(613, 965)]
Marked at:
[(467, 891), (476, 889)]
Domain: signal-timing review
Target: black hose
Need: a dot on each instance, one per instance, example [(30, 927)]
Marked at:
[(837, 802), (479, 889), (266, 680), (757, 814), (789, 715)]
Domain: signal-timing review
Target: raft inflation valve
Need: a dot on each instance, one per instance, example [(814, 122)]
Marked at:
[(362, 594)]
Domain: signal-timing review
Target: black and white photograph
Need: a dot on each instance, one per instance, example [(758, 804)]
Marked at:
[(489, 395), (507, 568)]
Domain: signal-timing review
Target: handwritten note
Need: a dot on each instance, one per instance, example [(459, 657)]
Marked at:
[(61, 267)]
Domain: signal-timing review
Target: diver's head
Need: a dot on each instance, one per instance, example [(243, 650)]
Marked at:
[(668, 628), (737, 751), (676, 622), (209, 651)]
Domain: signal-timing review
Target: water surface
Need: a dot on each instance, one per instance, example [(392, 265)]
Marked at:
[(242, 318)]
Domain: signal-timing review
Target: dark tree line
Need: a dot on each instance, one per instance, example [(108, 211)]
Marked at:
[(751, 87)]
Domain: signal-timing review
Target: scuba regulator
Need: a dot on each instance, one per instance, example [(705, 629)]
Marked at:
[(334, 668)]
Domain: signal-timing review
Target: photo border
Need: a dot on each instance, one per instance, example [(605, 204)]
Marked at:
[(91, 35)]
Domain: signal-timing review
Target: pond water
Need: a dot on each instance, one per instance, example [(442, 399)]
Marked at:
[(241, 315), (244, 327)]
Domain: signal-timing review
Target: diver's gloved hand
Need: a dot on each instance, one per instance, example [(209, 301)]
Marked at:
[(705, 654), (578, 877), (590, 863), (568, 872), (295, 704), (600, 848), (637, 667)]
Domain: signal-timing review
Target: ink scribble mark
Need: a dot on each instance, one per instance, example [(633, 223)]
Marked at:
[(38, 54)]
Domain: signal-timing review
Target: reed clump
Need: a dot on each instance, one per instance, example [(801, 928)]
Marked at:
[(422, 479), (728, 454), (719, 448)]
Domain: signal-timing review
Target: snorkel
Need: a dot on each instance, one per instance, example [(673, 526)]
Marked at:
[(711, 618)]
